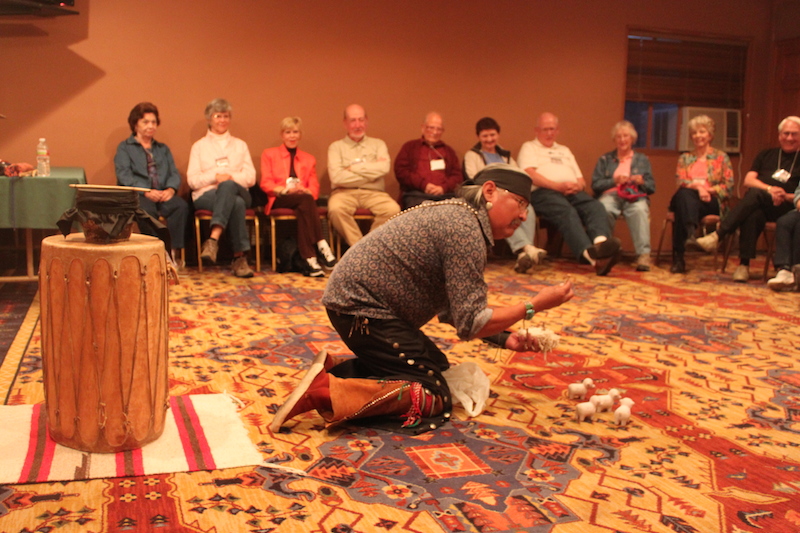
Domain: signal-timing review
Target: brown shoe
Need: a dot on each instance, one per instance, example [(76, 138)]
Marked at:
[(240, 267), (208, 253), (643, 263), (524, 263)]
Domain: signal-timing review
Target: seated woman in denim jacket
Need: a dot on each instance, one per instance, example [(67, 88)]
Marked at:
[(622, 181)]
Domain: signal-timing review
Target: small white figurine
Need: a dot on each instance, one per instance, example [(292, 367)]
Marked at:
[(584, 411), (604, 402), (577, 391), (623, 412), (545, 338)]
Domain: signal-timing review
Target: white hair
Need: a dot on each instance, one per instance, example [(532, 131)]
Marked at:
[(792, 118), (702, 121), (624, 124), (218, 105)]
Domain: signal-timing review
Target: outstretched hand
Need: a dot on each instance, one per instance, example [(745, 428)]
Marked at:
[(553, 296), (547, 298)]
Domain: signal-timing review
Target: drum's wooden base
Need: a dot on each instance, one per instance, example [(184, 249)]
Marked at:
[(104, 341)]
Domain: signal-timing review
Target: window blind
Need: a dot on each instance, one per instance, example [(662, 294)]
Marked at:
[(685, 71)]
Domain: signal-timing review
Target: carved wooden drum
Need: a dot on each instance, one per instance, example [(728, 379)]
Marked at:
[(104, 341)]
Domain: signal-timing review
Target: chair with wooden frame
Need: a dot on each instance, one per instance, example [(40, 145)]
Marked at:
[(769, 240), (706, 223), (336, 240)]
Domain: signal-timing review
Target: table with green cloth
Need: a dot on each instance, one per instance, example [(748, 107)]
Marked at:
[(36, 203)]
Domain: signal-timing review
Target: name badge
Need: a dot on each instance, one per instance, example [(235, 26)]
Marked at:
[(437, 164), (221, 162), (781, 175)]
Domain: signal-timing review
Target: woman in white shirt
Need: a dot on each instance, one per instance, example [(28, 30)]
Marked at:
[(220, 173)]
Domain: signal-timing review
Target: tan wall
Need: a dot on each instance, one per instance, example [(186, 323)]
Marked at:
[(74, 79)]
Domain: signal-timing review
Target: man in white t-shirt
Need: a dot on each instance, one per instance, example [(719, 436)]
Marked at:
[(558, 196)]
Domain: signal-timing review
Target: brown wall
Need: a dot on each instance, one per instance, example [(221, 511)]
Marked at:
[(74, 79)]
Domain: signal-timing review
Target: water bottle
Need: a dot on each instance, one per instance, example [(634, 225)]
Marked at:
[(42, 158)]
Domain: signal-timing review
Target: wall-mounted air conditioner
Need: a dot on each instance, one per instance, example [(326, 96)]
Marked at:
[(727, 125)]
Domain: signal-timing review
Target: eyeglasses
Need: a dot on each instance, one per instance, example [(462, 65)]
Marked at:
[(435, 129), (521, 202), (219, 116)]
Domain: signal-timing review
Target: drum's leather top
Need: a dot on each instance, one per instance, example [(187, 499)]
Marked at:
[(136, 242)]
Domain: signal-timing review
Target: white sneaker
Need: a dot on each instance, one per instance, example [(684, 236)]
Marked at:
[(784, 280), (709, 242), (315, 270), (328, 259)]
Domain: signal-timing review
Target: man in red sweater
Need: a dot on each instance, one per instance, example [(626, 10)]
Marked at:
[(426, 168)]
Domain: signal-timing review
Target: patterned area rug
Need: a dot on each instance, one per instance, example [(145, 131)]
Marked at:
[(713, 444)]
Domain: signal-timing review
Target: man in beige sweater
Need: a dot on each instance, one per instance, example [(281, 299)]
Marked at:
[(357, 166)]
